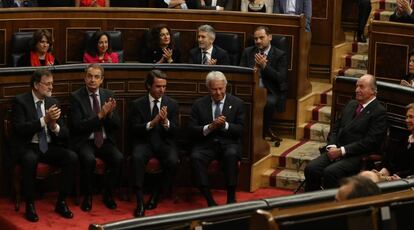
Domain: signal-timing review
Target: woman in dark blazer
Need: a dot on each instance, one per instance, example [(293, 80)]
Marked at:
[(159, 48), (408, 80), (40, 51)]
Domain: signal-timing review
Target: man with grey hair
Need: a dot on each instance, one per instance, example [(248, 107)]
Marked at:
[(360, 130), (206, 53), (216, 124)]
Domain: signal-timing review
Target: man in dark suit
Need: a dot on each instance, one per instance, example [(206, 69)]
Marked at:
[(216, 124), (403, 12), (364, 10), (299, 7), (216, 4), (206, 53), (360, 130), (271, 63), (94, 125), (38, 135), (153, 121)]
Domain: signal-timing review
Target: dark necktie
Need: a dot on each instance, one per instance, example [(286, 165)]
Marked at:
[(42, 134), (204, 59), (155, 109), (217, 110), (358, 110), (97, 134)]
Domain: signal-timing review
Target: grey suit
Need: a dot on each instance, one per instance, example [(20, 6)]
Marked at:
[(302, 7), (358, 134)]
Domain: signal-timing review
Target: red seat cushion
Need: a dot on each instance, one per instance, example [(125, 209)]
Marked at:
[(153, 166), (43, 170), (100, 166)]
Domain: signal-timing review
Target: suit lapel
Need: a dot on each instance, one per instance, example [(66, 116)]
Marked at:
[(86, 101), (32, 106), (226, 106), (208, 105), (146, 109)]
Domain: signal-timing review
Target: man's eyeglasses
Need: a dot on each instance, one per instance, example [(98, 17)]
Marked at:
[(48, 84)]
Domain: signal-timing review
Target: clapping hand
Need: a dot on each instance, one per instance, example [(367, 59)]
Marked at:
[(51, 116), (218, 123), (260, 60)]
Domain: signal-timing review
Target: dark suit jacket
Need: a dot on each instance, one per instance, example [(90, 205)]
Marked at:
[(218, 53), (26, 124), (201, 115), (403, 19), (222, 3), (362, 134), (140, 115), (84, 121), (399, 159), (10, 3), (274, 75), (302, 7), (191, 4)]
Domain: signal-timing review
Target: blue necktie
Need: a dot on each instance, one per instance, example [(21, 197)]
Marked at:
[(42, 134), (217, 110)]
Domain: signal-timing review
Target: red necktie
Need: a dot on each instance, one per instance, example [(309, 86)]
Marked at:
[(358, 110), (98, 134)]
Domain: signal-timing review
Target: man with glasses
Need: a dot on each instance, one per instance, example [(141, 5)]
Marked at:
[(37, 136), (94, 125)]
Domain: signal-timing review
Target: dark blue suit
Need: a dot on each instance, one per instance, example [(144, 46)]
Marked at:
[(218, 53), (157, 141), (26, 124), (302, 7)]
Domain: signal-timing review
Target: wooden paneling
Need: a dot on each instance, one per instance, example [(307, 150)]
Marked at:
[(326, 33), (389, 45)]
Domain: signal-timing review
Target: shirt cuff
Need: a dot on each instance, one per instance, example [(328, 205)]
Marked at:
[(343, 150), (330, 146), (42, 122), (57, 129), (148, 126), (226, 126), (206, 131), (168, 125)]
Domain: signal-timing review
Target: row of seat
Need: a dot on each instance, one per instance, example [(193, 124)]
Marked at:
[(231, 42)]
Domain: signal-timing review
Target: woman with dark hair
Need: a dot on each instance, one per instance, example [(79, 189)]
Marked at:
[(92, 3), (160, 48), (40, 50), (99, 49), (408, 80), (263, 6)]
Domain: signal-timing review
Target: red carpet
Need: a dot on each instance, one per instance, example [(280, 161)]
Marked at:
[(9, 219)]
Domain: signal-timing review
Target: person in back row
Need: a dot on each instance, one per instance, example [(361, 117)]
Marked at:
[(99, 49), (271, 63), (408, 79), (92, 3), (160, 47), (207, 53), (404, 12), (40, 53)]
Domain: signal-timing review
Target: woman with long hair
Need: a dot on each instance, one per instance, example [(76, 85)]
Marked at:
[(99, 49), (159, 48)]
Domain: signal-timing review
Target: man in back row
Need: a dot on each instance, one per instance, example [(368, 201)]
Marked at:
[(207, 53)]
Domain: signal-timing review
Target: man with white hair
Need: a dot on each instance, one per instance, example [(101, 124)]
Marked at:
[(360, 130), (216, 124), (206, 53)]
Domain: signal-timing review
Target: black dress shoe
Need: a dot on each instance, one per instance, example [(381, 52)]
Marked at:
[(153, 202), (109, 202), (31, 214), (63, 210), (361, 38), (140, 210), (86, 205)]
